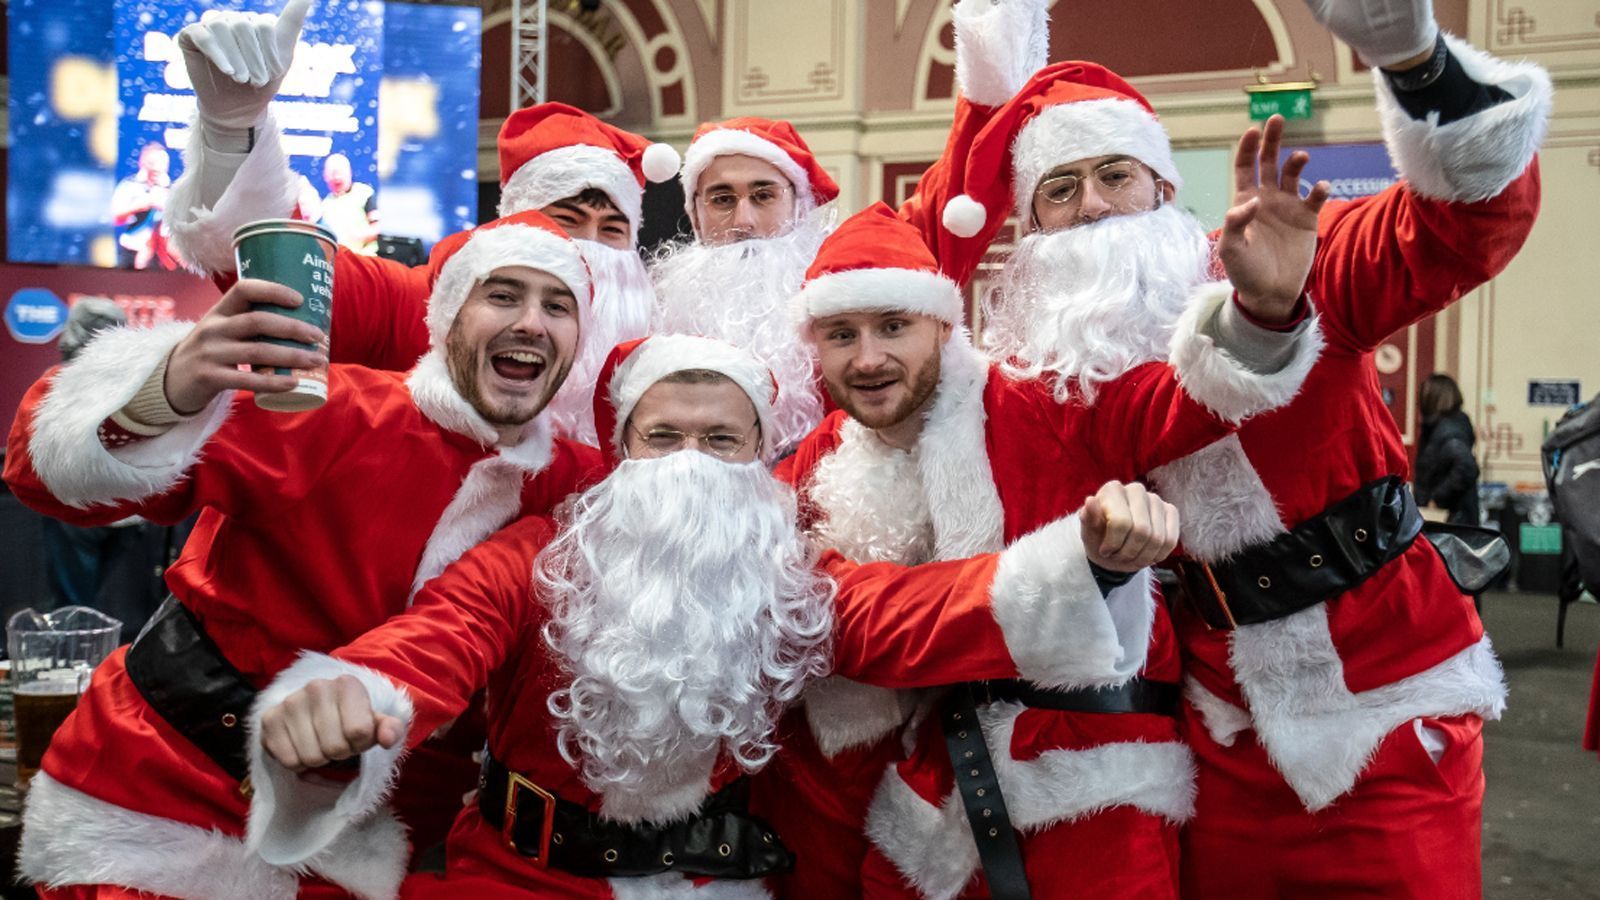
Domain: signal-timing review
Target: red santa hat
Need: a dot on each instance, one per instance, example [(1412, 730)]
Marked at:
[(772, 141), (634, 366), (876, 262), (463, 259), (553, 151), (1066, 112)]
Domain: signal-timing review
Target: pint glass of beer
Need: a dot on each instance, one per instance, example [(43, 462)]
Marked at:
[(52, 657)]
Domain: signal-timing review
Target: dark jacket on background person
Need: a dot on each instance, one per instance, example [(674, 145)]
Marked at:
[(1447, 473)]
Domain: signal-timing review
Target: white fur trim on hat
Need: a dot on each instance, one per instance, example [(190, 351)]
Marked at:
[(880, 290), (664, 354), (497, 248), (569, 171), (1068, 132), (737, 142)]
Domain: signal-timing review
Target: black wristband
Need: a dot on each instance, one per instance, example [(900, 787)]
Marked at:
[(1441, 86), (1107, 580)]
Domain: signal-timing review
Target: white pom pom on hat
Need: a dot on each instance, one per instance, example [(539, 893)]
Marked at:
[(660, 163), (963, 216)]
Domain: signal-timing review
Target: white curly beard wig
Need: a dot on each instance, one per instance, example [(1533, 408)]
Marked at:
[(1088, 303), (685, 606), (740, 293)]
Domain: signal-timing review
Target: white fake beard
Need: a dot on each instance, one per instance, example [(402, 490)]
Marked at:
[(1091, 302), (685, 606), (623, 300), (740, 293)]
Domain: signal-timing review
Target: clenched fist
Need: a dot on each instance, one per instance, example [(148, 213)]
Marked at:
[(324, 722), (1126, 527)]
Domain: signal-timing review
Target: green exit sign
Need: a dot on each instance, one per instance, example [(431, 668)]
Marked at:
[(1291, 104)]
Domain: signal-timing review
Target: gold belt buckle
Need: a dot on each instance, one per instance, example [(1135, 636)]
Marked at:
[(508, 827)]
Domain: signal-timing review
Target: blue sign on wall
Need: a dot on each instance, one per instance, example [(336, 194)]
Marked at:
[(1351, 170), (35, 316)]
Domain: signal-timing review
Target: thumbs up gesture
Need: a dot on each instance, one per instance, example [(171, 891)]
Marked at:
[(237, 60)]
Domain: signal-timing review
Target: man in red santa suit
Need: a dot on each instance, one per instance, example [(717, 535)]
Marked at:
[(313, 528), (586, 175), (642, 671), (1337, 678), (936, 454)]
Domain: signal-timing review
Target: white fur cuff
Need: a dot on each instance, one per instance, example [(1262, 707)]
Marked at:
[(65, 445), (1061, 632), (292, 820), (1477, 157), (999, 46), (1219, 381), (843, 713), (264, 187)]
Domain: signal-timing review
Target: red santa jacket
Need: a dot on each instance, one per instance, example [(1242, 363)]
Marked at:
[(1321, 688), (996, 462), (313, 528), (480, 625)]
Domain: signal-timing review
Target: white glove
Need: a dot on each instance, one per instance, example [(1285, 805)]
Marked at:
[(1381, 32), (237, 60)]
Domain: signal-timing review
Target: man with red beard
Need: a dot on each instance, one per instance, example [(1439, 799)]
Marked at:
[(1338, 677), (313, 528), (585, 174), (641, 673), (938, 455)]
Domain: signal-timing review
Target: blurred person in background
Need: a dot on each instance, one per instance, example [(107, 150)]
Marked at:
[(136, 207), (350, 208), (1446, 472)]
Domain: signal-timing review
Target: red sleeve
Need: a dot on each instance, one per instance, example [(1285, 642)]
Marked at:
[(1139, 421), (1386, 261), (466, 623), (903, 627), (256, 461), (380, 310)]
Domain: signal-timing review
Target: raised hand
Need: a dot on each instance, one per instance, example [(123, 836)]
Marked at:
[(237, 60), (324, 722), (1269, 236), (1125, 527), (206, 362)]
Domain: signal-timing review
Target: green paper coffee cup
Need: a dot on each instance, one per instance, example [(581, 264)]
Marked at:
[(297, 255)]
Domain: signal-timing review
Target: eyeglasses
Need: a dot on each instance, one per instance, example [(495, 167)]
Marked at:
[(722, 203), (1113, 177), (662, 441)]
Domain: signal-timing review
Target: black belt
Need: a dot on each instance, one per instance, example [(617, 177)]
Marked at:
[(190, 684), (722, 840), (998, 849), (1317, 560), (1136, 695)]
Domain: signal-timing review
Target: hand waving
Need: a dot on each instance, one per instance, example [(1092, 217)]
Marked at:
[(1270, 234)]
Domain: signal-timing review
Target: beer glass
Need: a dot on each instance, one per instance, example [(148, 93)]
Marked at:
[(52, 656)]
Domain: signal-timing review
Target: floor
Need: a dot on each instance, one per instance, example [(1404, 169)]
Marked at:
[(1541, 817)]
